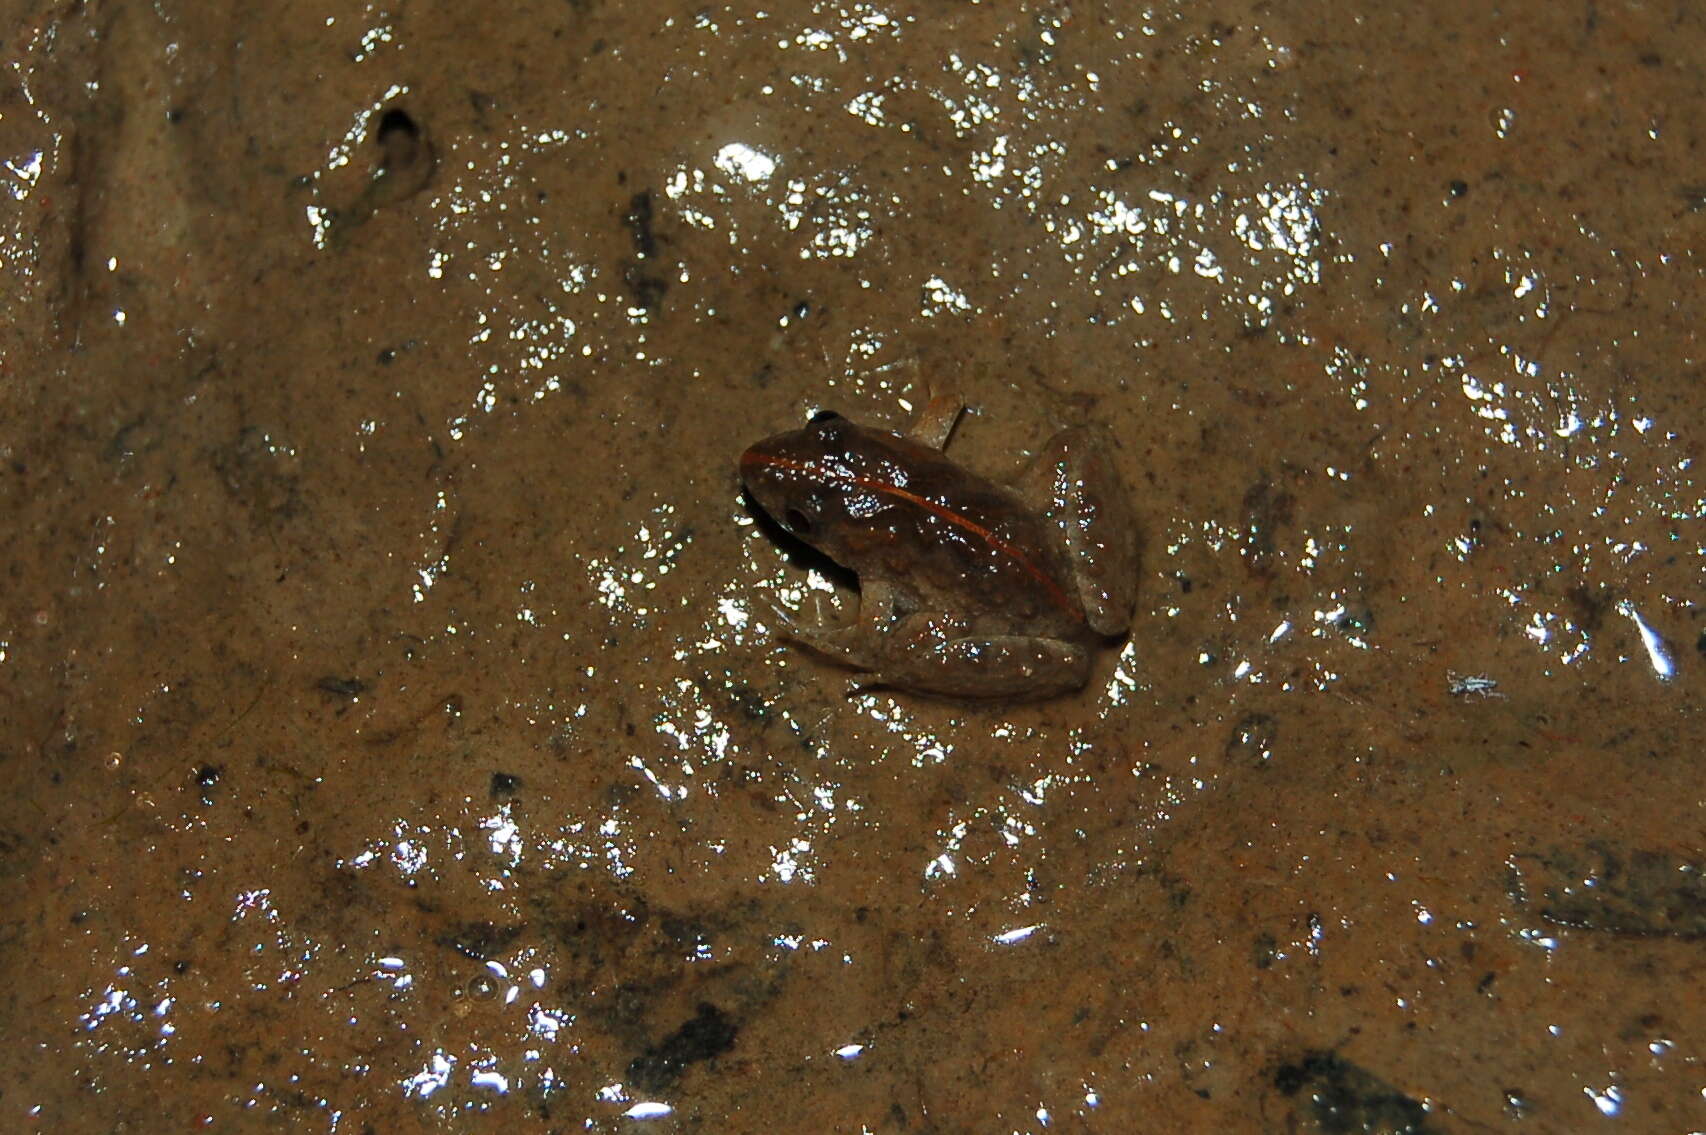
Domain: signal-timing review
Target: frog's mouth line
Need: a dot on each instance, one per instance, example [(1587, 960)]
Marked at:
[(843, 476)]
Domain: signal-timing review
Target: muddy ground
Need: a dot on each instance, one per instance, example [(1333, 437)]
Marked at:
[(396, 731)]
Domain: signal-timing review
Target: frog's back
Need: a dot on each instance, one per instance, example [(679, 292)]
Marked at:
[(948, 538)]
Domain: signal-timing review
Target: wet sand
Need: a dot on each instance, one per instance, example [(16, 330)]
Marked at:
[(397, 733)]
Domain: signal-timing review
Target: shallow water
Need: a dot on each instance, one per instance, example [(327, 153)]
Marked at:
[(387, 679)]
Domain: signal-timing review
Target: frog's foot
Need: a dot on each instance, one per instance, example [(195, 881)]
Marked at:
[(996, 666)]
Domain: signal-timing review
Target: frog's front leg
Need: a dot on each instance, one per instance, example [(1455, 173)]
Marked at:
[(855, 644), (941, 412), (932, 654), (935, 423)]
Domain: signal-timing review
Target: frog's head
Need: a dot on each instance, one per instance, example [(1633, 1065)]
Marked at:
[(801, 477)]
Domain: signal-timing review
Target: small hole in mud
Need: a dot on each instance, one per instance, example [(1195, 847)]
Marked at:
[(394, 121)]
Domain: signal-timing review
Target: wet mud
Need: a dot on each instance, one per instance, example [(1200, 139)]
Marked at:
[(396, 729)]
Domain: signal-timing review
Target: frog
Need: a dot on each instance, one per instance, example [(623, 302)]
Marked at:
[(968, 588)]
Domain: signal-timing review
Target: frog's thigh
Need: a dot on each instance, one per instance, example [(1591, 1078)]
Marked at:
[(1073, 483), (1011, 666)]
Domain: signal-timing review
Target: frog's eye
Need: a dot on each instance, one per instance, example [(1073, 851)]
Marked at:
[(824, 416)]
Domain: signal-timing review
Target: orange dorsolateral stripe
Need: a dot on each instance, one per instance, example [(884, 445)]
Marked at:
[(856, 480)]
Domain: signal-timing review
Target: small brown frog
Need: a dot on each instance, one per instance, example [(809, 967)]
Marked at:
[(967, 588)]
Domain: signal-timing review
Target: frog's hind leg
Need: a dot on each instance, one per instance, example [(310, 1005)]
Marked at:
[(921, 657), (1073, 483), (848, 645)]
